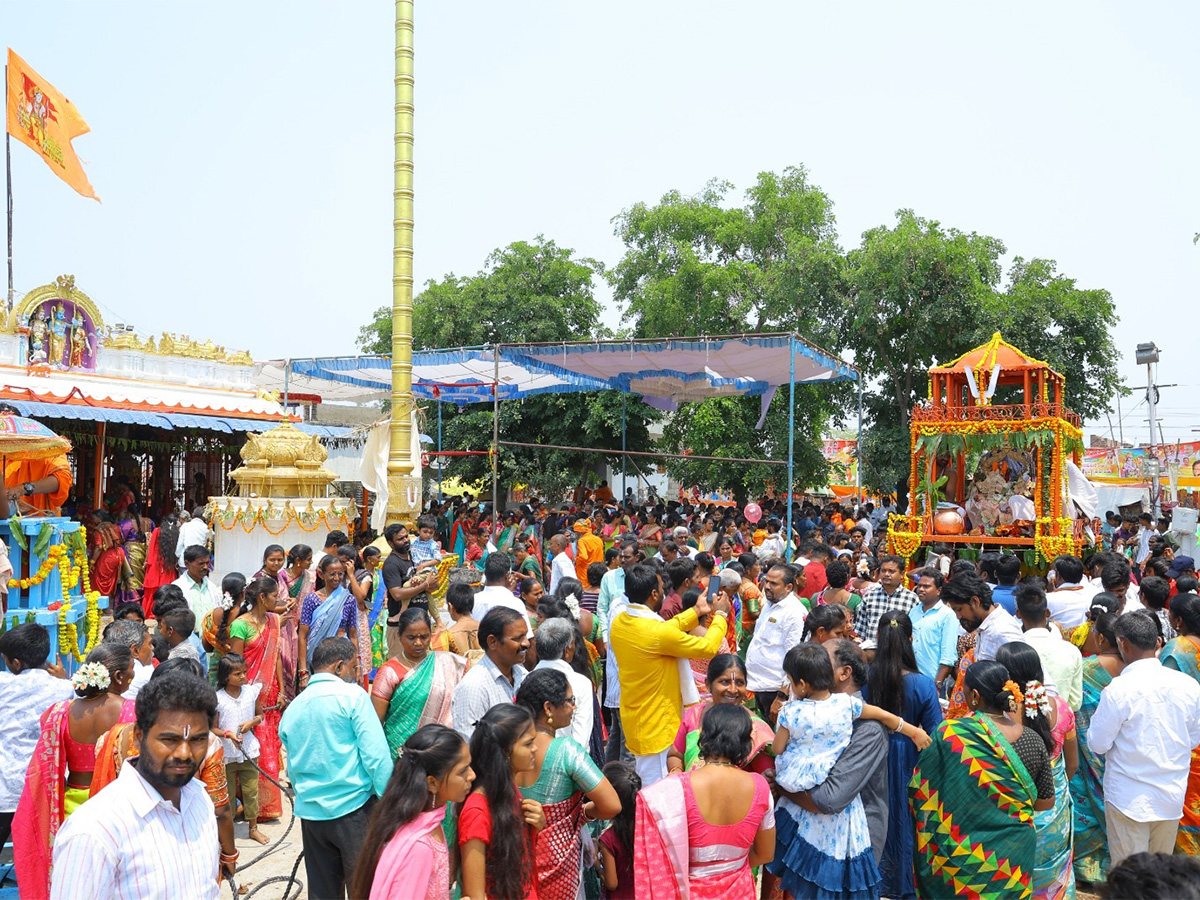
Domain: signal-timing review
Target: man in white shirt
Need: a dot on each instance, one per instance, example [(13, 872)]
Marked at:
[(970, 597), (152, 833), (555, 643), (198, 589), (779, 628), (1072, 594), (561, 564), (26, 691), (1062, 663), (494, 679), (1146, 726), (680, 535), (192, 533), (497, 590)]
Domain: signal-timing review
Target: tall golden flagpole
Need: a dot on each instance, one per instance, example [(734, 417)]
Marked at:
[(404, 490)]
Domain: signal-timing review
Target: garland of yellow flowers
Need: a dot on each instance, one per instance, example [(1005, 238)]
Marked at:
[(54, 555), (1055, 537), (258, 518), (904, 535), (68, 633)]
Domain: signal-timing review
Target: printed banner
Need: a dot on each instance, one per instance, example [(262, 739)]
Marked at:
[(1131, 463), (843, 459), (45, 121)]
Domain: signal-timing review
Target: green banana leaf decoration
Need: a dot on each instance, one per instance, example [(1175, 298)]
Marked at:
[(18, 533), (42, 544)]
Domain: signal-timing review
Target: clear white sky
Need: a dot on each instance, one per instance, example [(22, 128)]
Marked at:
[(243, 150)]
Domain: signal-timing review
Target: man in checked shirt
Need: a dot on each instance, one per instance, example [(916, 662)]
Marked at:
[(890, 593)]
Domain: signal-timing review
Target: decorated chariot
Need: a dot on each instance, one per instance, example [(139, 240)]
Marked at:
[(989, 464)]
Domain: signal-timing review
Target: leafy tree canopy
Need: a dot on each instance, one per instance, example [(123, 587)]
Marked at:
[(912, 294), (700, 265)]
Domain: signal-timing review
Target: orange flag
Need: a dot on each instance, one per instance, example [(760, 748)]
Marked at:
[(46, 121)]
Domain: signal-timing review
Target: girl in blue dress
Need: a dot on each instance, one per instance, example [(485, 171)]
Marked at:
[(817, 855)]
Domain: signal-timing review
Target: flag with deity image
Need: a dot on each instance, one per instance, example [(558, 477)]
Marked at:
[(45, 121)]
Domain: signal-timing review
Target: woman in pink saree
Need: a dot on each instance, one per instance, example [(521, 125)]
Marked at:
[(698, 834), (299, 581), (255, 635), (60, 771)]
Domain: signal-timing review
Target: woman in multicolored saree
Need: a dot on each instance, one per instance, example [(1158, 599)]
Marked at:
[(1087, 785), (562, 775), (255, 635), (300, 581), (995, 850), (60, 771), (1051, 717), (726, 683), (1183, 653), (414, 687)]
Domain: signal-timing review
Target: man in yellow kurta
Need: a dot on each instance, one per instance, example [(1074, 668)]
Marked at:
[(652, 657)]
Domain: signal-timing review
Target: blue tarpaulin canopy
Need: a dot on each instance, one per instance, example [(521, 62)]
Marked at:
[(664, 372)]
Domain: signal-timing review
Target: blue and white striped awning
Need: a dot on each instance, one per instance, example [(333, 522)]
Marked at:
[(456, 376), (166, 420)]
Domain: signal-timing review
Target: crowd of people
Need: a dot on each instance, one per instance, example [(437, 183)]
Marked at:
[(621, 701)]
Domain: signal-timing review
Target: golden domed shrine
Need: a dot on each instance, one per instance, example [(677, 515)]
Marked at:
[(282, 498), (988, 457), (283, 462)]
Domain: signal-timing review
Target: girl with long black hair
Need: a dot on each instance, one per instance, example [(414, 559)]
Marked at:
[(404, 853), (894, 683), (497, 827)]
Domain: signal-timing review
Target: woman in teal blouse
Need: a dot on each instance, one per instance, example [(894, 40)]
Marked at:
[(563, 774)]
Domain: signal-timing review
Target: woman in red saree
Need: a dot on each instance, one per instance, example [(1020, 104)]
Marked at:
[(60, 771), (108, 563), (255, 635), (162, 565)]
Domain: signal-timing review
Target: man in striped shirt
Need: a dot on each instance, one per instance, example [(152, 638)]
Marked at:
[(151, 834)]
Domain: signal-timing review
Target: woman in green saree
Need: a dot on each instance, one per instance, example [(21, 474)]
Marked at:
[(973, 796), (414, 687), (527, 565)]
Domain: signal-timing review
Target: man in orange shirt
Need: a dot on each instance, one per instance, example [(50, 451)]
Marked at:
[(588, 548), (39, 484)]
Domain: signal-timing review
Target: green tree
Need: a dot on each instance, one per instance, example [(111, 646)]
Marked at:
[(526, 292), (698, 265), (1047, 316), (913, 290)]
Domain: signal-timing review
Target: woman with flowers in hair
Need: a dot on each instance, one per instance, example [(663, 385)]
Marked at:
[(976, 835), (1052, 719), (60, 772)]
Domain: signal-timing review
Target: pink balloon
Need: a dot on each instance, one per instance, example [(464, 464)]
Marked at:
[(753, 512)]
